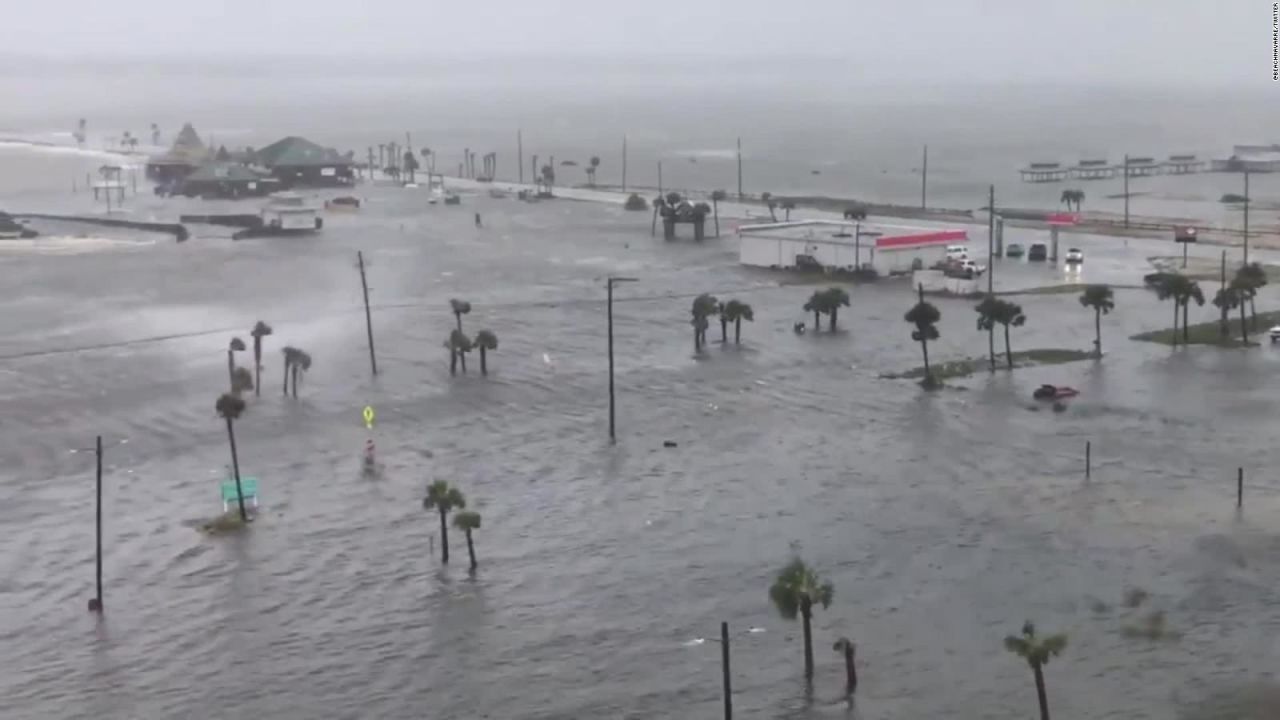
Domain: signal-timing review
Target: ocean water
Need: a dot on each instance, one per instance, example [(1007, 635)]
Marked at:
[(944, 520)]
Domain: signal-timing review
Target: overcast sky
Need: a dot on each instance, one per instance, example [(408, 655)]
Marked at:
[(1168, 41)]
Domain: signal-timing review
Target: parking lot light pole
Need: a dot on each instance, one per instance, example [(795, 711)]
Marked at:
[(612, 415)]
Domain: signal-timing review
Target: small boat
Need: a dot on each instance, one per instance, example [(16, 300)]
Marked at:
[(1053, 392)]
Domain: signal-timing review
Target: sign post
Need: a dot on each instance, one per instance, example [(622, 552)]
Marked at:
[(1184, 235)]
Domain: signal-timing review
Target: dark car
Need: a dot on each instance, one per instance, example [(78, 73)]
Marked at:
[(1038, 252)]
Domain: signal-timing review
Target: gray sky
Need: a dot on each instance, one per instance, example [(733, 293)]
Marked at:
[(1169, 41)]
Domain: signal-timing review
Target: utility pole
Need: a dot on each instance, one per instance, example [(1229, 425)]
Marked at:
[(991, 237), (624, 163), (924, 182), (1126, 190), (724, 669), (660, 177), (520, 153), (612, 423), (739, 169), (97, 604), (368, 317), (1247, 200)]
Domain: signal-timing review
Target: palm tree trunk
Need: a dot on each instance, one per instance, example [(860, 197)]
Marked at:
[(444, 539), (235, 468), (1253, 312), (1040, 692), (834, 312), (453, 361), (1186, 331), (257, 367), (462, 360), (231, 371), (471, 550), (806, 612), (850, 672), (295, 382), (1244, 328), (484, 367), (724, 329), (1175, 323), (737, 331), (286, 378), (991, 346), (817, 321), (1008, 353), (924, 348), (1097, 330), (697, 340), (458, 316), (715, 210)]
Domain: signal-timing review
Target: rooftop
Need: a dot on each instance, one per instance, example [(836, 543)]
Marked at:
[(842, 233), (295, 151)]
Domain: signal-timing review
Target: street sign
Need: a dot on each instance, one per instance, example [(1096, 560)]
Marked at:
[(1184, 234), (368, 417)]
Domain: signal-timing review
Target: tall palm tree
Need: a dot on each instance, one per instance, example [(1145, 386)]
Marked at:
[(443, 499), (704, 306), (241, 380), (724, 323), (290, 355), (1165, 291), (1037, 651), (1243, 292), (459, 308), (229, 407), (787, 207), (835, 298), (1227, 298), (717, 196), (767, 199), (1252, 277), (925, 317), (1102, 300), (735, 311), (301, 364), (987, 310), (236, 345), (458, 345), (592, 166), (466, 521), (818, 304), (1184, 290), (795, 591), (1008, 314), (259, 331), (485, 340), (846, 647)]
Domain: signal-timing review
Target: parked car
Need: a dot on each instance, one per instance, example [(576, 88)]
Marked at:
[(1014, 251), (957, 252), (1039, 252), (1074, 256)]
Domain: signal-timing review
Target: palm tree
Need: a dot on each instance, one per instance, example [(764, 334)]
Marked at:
[(987, 310), (241, 380), (795, 590), (467, 521), (716, 197), (1037, 651), (1165, 291), (704, 306), (443, 499), (592, 166), (788, 206), (459, 308), (846, 647), (485, 340), (724, 323), (301, 364), (1070, 197), (1007, 314), (229, 407), (925, 317), (1252, 277), (236, 345), (818, 305), (767, 199), (1227, 298), (290, 354), (735, 311), (259, 331), (835, 298), (1102, 300), (1243, 292), (1184, 290), (458, 345)]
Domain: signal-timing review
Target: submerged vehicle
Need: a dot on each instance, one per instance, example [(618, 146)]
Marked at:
[(1039, 252), (1014, 250), (1053, 392)]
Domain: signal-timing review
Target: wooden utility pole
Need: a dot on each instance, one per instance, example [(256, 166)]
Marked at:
[(739, 169), (624, 163), (724, 670), (97, 605), (924, 184), (368, 317), (1126, 190)]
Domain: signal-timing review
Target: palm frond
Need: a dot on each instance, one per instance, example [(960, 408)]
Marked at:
[(260, 329), (229, 405), (237, 344)]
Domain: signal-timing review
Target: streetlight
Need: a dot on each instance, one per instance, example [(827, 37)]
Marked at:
[(724, 663), (610, 283), (95, 603), (858, 234)]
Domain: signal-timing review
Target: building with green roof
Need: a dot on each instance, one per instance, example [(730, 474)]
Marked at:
[(298, 162)]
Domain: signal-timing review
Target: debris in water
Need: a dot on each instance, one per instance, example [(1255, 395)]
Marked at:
[(669, 443), (546, 358)]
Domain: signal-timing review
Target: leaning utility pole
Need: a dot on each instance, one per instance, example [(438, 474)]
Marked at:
[(368, 317)]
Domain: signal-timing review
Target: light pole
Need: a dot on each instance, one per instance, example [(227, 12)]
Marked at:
[(724, 663), (858, 234), (95, 603), (610, 283)]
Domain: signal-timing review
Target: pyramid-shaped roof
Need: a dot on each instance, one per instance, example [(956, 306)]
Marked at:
[(187, 149), (295, 151)]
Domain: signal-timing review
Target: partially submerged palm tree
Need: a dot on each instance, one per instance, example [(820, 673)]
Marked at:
[(485, 340), (236, 345), (735, 311), (987, 310), (1165, 291), (1251, 278), (229, 407), (835, 298), (458, 346), (241, 380), (818, 304), (767, 199), (459, 308), (467, 521), (260, 330), (924, 316), (296, 362), (847, 648), (1228, 298), (704, 306), (1037, 651), (1243, 292), (1007, 314), (1102, 299), (443, 499), (591, 170), (788, 206), (717, 196), (1183, 290), (795, 591)]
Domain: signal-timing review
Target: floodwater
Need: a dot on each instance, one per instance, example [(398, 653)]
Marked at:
[(944, 520)]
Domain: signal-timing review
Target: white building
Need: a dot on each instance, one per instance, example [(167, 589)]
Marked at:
[(888, 249)]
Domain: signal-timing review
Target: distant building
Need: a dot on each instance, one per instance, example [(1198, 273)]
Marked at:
[(298, 162), (1254, 158), (187, 154), (227, 180), (832, 245)]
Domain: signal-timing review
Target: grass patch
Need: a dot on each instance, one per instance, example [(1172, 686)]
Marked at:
[(1200, 268), (1210, 333), (228, 523), (968, 366)]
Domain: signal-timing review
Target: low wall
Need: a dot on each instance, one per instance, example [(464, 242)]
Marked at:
[(179, 231)]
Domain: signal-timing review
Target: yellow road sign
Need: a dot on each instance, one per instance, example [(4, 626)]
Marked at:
[(368, 417)]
